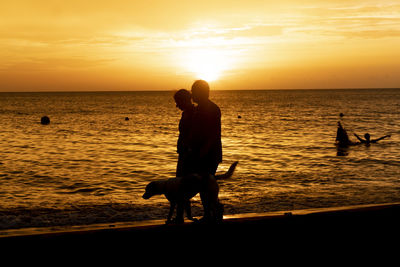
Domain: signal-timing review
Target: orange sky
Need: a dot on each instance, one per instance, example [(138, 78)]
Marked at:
[(162, 45)]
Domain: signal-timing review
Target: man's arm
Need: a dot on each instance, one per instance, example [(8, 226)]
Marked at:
[(359, 138), (383, 137)]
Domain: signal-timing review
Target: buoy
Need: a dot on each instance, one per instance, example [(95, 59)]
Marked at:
[(45, 120), (239, 117), (126, 118)]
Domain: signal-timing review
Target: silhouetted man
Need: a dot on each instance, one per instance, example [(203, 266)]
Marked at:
[(368, 140), (207, 148), (206, 132)]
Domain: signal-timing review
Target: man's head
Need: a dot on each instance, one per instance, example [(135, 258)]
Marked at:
[(200, 91), (367, 136), (183, 99)]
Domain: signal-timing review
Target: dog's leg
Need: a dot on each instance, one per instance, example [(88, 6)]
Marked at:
[(171, 212), (188, 209)]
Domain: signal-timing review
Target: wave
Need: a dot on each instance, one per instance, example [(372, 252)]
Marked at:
[(366, 161), (79, 215)]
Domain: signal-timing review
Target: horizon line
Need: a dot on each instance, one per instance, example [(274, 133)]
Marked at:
[(172, 90)]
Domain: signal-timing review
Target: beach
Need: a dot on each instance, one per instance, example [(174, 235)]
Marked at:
[(349, 225)]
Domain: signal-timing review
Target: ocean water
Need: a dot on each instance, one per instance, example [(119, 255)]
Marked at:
[(90, 165)]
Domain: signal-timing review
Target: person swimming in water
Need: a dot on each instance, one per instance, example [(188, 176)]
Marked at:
[(368, 140), (342, 138)]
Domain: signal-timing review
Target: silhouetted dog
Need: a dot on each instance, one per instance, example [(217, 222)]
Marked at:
[(180, 190)]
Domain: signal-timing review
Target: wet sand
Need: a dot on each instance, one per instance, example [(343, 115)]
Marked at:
[(347, 225)]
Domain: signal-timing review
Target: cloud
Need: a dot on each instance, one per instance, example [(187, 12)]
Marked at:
[(56, 36), (53, 64), (372, 34), (362, 21)]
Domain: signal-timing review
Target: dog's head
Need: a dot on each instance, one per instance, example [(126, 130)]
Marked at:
[(152, 189)]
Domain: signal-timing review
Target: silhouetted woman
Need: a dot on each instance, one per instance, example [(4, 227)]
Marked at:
[(183, 102)]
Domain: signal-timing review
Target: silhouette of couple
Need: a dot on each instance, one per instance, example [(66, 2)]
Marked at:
[(199, 143)]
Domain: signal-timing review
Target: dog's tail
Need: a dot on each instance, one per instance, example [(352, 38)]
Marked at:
[(228, 174)]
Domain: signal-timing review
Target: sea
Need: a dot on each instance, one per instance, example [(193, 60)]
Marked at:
[(92, 162)]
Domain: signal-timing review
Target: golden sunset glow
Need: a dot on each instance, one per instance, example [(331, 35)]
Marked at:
[(163, 45), (206, 64)]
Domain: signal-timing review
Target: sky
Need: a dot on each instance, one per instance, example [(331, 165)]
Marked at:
[(52, 45)]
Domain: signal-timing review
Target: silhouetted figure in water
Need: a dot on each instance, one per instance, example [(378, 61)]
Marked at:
[(342, 138), (368, 140), (343, 141), (183, 102)]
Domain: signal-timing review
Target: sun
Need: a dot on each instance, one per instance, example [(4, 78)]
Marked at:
[(206, 63)]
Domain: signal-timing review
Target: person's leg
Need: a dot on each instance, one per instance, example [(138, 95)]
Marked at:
[(210, 190), (212, 167), (180, 167)]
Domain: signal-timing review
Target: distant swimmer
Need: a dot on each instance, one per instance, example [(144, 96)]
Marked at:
[(368, 140), (342, 138)]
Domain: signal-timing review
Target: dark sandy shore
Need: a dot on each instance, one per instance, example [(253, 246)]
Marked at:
[(355, 225)]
